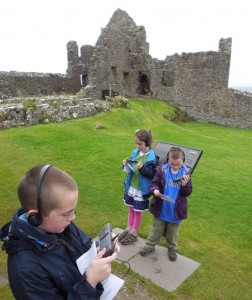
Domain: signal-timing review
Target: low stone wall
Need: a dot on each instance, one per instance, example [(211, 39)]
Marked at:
[(226, 107), (15, 84), (18, 112)]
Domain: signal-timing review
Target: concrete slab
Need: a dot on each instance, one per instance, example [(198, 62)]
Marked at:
[(156, 266)]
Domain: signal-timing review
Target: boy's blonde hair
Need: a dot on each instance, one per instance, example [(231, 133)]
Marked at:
[(53, 180), (175, 153)]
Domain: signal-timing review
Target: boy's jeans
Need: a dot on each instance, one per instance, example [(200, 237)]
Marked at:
[(159, 228)]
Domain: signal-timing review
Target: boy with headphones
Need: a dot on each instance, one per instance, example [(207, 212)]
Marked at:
[(171, 186), (43, 243)]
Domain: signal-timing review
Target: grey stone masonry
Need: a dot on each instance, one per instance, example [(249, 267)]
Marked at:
[(197, 83), (120, 64), (18, 112)]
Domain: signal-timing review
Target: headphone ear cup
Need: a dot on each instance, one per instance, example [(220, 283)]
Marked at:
[(167, 157), (34, 219)]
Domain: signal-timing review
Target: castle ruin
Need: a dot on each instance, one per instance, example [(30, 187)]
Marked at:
[(120, 64)]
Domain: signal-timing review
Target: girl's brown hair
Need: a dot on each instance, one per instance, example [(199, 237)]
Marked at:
[(145, 136)]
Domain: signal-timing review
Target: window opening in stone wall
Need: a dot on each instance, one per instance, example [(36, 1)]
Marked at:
[(125, 83), (114, 70), (125, 75), (43, 91), (109, 93), (144, 83), (114, 74), (83, 79), (168, 79), (104, 94)]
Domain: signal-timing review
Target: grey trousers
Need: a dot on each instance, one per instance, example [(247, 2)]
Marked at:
[(163, 228)]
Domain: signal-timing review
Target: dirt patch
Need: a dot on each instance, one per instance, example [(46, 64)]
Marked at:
[(136, 291)]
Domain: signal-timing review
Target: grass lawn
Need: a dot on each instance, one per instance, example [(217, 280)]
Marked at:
[(218, 231)]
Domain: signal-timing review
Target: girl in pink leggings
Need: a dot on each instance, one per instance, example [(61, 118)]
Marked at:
[(141, 169)]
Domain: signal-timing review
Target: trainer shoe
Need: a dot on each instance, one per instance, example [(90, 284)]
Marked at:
[(123, 235), (172, 254)]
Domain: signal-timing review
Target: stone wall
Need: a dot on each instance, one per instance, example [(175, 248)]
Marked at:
[(120, 64), (197, 83), (18, 112), (13, 84), (226, 107)]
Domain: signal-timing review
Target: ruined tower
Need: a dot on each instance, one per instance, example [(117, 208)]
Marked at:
[(120, 63)]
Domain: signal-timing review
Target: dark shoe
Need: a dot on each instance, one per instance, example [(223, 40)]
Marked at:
[(123, 235), (129, 239), (146, 250), (172, 254)]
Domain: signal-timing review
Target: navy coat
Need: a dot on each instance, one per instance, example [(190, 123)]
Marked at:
[(43, 266)]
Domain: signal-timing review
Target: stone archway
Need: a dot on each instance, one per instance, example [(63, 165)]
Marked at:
[(144, 83)]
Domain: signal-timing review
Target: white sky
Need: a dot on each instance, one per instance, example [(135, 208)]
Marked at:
[(34, 33)]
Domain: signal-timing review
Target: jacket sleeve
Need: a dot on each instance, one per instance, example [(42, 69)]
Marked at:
[(186, 191), (38, 286), (149, 169), (157, 181), (83, 290), (156, 202)]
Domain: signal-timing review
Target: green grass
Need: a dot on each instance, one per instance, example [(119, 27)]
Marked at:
[(218, 231)]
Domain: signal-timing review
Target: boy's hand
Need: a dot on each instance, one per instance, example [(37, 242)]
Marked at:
[(117, 247), (157, 193), (139, 165), (125, 161), (185, 180), (115, 241), (100, 268)]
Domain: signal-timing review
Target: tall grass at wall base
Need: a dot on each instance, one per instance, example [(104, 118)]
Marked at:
[(217, 233)]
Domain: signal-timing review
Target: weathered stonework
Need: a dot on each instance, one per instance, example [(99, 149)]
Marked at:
[(120, 64), (13, 84), (195, 82), (18, 112)]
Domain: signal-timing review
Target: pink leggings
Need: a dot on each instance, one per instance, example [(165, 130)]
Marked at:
[(134, 220)]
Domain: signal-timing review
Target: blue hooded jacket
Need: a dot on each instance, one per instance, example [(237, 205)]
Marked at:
[(147, 172), (43, 266)]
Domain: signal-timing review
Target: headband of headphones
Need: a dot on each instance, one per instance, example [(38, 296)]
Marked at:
[(35, 218)]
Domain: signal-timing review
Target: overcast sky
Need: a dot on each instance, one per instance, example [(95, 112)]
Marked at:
[(34, 33)]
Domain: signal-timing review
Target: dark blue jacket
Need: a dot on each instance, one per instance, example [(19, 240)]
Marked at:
[(43, 266), (147, 172)]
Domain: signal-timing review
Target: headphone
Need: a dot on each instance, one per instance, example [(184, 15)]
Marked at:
[(173, 149), (35, 218)]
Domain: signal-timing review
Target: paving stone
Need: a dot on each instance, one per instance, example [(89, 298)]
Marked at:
[(157, 267)]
